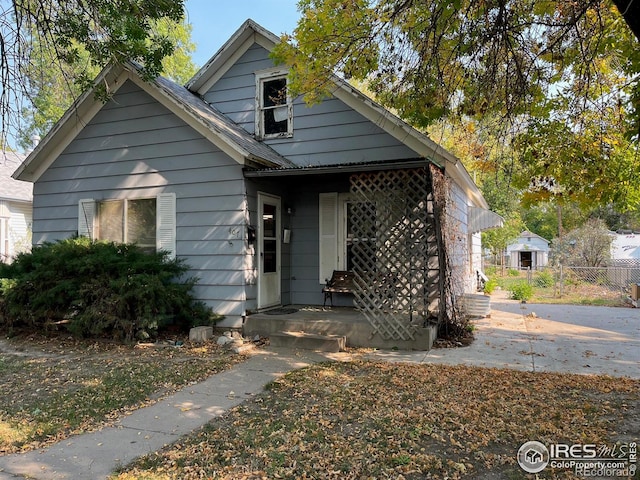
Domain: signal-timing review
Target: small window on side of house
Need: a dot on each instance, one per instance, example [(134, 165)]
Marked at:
[(148, 222), (274, 109)]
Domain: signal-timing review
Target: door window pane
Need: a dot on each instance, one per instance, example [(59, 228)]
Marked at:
[(269, 221), (269, 240), (269, 255)]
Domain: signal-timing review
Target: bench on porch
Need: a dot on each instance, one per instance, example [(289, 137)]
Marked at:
[(341, 281)]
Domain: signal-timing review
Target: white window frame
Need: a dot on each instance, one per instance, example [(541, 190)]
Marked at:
[(5, 240), (261, 78), (165, 220)]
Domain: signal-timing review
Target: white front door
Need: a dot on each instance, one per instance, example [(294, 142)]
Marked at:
[(269, 231)]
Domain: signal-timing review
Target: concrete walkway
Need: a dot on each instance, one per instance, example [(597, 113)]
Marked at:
[(95, 455), (529, 337), (546, 338)]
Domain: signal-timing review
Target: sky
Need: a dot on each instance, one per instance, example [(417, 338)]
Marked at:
[(213, 21)]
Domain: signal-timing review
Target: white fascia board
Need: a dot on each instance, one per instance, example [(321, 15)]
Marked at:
[(460, 175), (68, 127), (203, 85), (219, 58), (248, 34)]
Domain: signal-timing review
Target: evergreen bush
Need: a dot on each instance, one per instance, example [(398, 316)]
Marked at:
[(99, 289)]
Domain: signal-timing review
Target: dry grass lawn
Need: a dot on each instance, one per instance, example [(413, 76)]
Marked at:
[(365, 420), (51, 388)]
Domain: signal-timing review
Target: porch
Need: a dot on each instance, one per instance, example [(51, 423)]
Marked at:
[(347, 322)]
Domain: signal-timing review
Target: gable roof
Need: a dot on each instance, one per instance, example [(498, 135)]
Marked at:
[(249, 147), (250, 32), (201, 116), (11, 189), (528, 234)]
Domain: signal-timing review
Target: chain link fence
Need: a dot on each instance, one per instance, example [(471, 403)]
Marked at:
[(611, 284)]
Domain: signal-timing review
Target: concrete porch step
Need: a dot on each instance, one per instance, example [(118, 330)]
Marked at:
[(309, 341)]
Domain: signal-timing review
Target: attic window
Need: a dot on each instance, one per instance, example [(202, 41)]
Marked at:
[(274, 109)]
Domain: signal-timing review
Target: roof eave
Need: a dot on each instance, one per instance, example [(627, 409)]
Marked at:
[(248, 33), (414, 139), (335, 169), (65, 129)]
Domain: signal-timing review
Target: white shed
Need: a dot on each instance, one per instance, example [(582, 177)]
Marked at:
[(529, 250)]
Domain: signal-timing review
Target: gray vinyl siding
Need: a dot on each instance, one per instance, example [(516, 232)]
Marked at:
[(458, 241), (323, 134), (135, 148), (234, 94)]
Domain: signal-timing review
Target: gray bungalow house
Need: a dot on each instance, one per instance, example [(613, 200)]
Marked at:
[(262, 195)]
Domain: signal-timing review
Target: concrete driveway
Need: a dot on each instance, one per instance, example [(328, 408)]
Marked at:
[(551, 338)]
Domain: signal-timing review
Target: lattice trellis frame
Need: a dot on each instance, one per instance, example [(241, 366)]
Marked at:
[(394, 251)]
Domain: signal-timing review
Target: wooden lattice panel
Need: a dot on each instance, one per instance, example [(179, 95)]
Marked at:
[(394, 252)]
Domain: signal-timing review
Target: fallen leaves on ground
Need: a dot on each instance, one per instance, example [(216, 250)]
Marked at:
[(366, 420), (51, 388)]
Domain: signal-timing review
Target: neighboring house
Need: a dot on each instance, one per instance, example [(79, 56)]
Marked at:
[(15, 209), (625, 247), (528, 251), (624, 265), (262, 195)]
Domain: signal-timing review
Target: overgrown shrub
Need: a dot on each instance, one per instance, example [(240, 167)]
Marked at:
[(514, 272), (490, 285), (521, 291), (99, 289), (544, 280)]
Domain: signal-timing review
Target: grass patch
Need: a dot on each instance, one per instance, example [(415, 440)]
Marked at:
[(52, 388), (378, 420), (574, 293)]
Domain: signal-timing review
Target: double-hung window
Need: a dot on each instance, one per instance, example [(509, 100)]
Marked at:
[(274, 107), (128, 221), (147, 222)]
